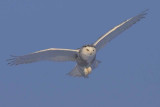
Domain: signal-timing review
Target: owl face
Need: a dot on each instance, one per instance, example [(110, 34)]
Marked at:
[(88, 53)]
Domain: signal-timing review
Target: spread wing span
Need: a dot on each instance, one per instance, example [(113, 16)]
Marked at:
[(103, 40), (53, 54)]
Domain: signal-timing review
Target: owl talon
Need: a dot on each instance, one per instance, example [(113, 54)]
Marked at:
[(87, 71)]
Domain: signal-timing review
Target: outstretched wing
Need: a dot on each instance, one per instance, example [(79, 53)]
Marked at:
[(103, 40), (52, 54)]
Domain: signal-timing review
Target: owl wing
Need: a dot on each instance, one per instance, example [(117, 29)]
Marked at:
[(53, 54), (103, 40)]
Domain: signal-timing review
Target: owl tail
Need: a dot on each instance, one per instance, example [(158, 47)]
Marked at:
[(95, 64), (76, 72)]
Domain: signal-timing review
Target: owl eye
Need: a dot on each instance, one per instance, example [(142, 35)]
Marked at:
[(93, 49), (87, 49)]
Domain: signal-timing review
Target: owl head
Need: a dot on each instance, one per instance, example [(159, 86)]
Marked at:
[(88, 52)]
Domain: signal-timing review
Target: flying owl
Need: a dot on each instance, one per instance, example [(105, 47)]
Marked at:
[(85, 57)]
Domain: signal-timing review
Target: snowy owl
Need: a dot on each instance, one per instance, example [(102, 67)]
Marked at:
[(85, 57)]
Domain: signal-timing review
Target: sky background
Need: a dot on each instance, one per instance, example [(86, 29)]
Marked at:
[(129, 75)]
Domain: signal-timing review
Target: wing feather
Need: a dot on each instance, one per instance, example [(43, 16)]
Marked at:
[(53, 54), (103, 40)]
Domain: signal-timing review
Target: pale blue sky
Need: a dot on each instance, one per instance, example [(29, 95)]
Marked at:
[(129, 75)]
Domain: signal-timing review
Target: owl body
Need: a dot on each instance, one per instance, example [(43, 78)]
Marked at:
[(85, 59)]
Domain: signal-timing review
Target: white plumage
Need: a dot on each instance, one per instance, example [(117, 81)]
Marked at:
[(85, 56), (107, 37), (54, 54)]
